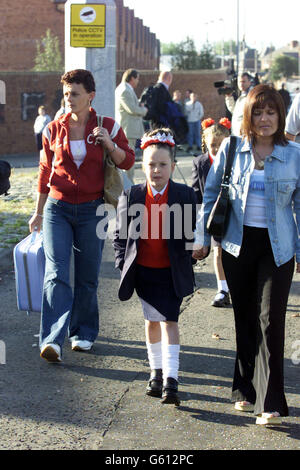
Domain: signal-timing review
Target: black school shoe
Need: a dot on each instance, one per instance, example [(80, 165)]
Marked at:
[(154, 387), (170, 392), (222, 302)]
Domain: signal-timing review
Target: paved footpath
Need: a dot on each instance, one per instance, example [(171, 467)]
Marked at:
[(97, 401)]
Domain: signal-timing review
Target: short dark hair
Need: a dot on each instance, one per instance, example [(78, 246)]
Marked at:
[(129, 74), (259, 97), (80, 76)]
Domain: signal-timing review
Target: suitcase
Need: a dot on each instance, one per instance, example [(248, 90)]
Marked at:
[(29, 263)]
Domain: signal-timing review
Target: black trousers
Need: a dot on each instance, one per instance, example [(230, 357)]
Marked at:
[(259, 291)]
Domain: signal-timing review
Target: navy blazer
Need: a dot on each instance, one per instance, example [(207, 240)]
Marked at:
[(126, 247), (200, 169)]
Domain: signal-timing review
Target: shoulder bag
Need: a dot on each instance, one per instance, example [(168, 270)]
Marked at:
[(113, 180), (218, 217)]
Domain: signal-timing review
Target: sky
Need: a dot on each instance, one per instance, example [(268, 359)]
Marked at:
[(261, 22)]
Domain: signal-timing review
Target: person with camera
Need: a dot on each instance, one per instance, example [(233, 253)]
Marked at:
[(237, 107), (260, 245)]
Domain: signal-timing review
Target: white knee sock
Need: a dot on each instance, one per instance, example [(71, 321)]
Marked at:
[(222, 285), (154, 355), (170, 356)]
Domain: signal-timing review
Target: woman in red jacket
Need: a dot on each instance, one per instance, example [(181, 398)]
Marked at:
[(70, 188)]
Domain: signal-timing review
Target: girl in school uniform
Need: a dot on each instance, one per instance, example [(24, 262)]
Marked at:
[(213, 135), (153, 243)]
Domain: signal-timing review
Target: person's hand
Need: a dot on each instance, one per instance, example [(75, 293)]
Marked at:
[(297, 267), (35, 223), (102, 137), (200, 252)]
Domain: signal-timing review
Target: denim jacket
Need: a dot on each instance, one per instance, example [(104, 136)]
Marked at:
[(282, 196)]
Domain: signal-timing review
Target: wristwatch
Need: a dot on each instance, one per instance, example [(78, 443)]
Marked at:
[(115, 147)]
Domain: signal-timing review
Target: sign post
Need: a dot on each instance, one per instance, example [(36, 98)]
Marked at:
[(90, 43)]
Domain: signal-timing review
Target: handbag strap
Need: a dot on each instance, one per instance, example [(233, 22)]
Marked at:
[(100, 124), (229, 161)]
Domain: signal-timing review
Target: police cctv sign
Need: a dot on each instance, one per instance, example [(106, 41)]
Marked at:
[(88, 25)]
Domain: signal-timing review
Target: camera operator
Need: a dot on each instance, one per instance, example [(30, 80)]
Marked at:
[(237, 107)]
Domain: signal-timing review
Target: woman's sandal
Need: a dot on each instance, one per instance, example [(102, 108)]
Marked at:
[(243, 406), (269, 418)]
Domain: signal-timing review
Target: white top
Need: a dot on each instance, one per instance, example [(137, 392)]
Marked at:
[(255, 210), (194, 111), (78, 150), (40, 123), (293, 117)]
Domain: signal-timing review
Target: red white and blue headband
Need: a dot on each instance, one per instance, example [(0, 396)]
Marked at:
[(158, 138)]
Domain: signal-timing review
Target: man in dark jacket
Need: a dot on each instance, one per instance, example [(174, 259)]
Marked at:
[(162, 96)]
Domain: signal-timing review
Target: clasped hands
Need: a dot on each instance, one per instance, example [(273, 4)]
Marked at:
[(200, 252)]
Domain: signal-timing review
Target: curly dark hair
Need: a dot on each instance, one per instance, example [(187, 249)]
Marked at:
[(79, 76)]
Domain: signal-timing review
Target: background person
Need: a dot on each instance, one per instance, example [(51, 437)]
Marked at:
[(194, 112), (70, 189), (129, 112), (212, 136), (236, 108), (161, 96), (40, 123), (258, 249), (292, 127)]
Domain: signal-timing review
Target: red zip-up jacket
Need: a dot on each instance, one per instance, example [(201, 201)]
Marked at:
[(59, 175)]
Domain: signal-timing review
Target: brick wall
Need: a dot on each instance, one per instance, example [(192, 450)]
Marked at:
[(16, 134), (22, 23)]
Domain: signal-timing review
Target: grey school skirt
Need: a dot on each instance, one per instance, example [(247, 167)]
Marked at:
[(155, 288)]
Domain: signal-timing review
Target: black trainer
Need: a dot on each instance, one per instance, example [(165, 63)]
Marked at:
[(154, 387)]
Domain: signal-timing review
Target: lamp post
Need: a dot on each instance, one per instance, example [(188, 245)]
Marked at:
[(238, 36)]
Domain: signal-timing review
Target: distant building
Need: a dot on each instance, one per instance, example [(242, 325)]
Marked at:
[(291, 50)]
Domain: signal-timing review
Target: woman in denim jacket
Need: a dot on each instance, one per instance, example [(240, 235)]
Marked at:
[(259, 246)]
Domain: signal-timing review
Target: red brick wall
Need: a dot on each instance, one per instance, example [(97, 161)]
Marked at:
[(22, 23), (16, 135)]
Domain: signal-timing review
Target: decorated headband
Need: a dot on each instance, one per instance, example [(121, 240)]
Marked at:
[(157, 139), (210, 122)]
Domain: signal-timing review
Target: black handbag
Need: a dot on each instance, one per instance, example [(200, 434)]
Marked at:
[(218, 217)]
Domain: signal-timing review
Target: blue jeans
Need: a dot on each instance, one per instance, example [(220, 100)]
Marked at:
[(70, 227), (194, 135)]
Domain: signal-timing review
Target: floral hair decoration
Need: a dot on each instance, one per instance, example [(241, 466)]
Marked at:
[(158, 138), (210, 122)]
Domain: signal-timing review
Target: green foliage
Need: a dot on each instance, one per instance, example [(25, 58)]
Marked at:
[(284, 66), (206, 57), (48, 57), (185, 56)]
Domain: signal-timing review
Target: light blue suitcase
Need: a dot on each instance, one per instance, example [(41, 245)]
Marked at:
[(29, 263)]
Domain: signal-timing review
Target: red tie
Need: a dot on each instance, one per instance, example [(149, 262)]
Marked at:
[(157, 197)]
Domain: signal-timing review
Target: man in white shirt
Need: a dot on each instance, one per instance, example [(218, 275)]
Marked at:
[(292, 127), (237, 108), (128, 111), (194, 112)]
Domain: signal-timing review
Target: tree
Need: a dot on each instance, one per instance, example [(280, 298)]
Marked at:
[(48, 57), (185, 56), (206, 57), (284, 66)]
